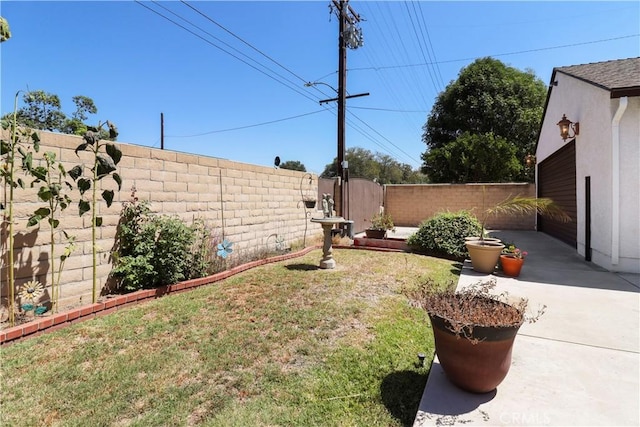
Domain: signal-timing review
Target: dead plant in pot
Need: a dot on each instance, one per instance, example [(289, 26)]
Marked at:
[(474, 330)]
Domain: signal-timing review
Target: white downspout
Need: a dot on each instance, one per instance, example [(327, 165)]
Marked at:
[(615, 181)]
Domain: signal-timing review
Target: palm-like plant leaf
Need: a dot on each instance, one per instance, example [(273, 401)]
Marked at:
[(526, 205), (519, 205)]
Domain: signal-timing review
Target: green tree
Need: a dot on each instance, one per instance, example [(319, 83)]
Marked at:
[(84, 106), (488, 97), (43, 111), (76, 124), (375, 166), (293, 165), (474, 158)]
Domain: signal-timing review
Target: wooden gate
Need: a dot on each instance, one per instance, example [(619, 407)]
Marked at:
[(364, 199)]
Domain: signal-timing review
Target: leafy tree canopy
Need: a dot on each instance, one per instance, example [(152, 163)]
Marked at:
[(293, 165), (474, 158), (375, 166), (497, 103), (43, 111)]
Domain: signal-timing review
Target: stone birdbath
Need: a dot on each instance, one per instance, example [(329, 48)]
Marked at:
[(327, 260)]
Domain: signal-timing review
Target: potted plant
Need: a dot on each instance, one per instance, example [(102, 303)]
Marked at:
[(511, 260), (309, 202), (380, 223), (474, 331), (484, 254)]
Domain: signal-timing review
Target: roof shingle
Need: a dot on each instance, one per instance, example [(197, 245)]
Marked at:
[(610, 75)]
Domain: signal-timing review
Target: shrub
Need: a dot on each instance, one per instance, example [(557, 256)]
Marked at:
[(172, 254), (152, 250), (443, 234)]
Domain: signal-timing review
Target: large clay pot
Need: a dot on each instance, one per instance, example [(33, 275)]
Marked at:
[(479, 364), (484, 255), (511, 265)]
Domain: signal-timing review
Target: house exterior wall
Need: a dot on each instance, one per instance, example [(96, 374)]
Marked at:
[(629, 186), (254, 203), (593, 108)]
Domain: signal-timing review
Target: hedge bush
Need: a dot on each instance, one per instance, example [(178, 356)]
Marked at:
[(443, 234), (154, 250)]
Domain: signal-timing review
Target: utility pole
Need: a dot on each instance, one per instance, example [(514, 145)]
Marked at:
[(162, 131), (349, 35), (342, 91)]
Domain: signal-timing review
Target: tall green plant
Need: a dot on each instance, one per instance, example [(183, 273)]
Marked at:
[(52, 191), (20, 143), (105, 158)]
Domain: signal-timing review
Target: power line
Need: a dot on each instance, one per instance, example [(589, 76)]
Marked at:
[(247, 126), (292, 87), (390, 109), (204, 15), (435, 67), (244, 41), (383, 137), (422, 49), (421, 64), (404, 85)]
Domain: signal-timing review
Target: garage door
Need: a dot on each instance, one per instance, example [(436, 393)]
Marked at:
[(557, 181)]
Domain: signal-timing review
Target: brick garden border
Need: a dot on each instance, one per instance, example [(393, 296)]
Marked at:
[(112, 304)]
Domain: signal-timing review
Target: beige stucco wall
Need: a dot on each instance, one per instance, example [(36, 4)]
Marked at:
[(251, 204), (593, 108), (409, 205)]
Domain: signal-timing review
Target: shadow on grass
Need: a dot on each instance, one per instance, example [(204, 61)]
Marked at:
[(401, 393), (302, 267)]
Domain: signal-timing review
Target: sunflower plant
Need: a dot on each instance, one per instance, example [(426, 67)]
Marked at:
[(106, 156), (54, 192), (20, 145)]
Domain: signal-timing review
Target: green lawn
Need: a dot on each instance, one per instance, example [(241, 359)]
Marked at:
[(284, 344)]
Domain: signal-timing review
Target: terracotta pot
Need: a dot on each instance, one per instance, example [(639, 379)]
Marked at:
[(478, 366), (375, 234), (511, 265), (484, 255)]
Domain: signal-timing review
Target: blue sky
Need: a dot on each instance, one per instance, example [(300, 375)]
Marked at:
[(252, 105)]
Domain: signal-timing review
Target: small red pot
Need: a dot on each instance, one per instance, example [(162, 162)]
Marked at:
[(511, 265)]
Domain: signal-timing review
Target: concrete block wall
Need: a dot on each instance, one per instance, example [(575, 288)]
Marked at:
[(409, 205), (251, 205)]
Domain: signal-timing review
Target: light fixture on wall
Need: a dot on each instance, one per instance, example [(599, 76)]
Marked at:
[(567, 126), (530, 160)]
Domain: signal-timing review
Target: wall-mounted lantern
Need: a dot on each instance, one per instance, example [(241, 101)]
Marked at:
[(530, 160), (567, 126)]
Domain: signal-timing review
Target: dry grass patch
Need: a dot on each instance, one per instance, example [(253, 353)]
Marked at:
[(282, 344)]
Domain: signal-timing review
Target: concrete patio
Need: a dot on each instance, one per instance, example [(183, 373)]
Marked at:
[(578, 365)]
